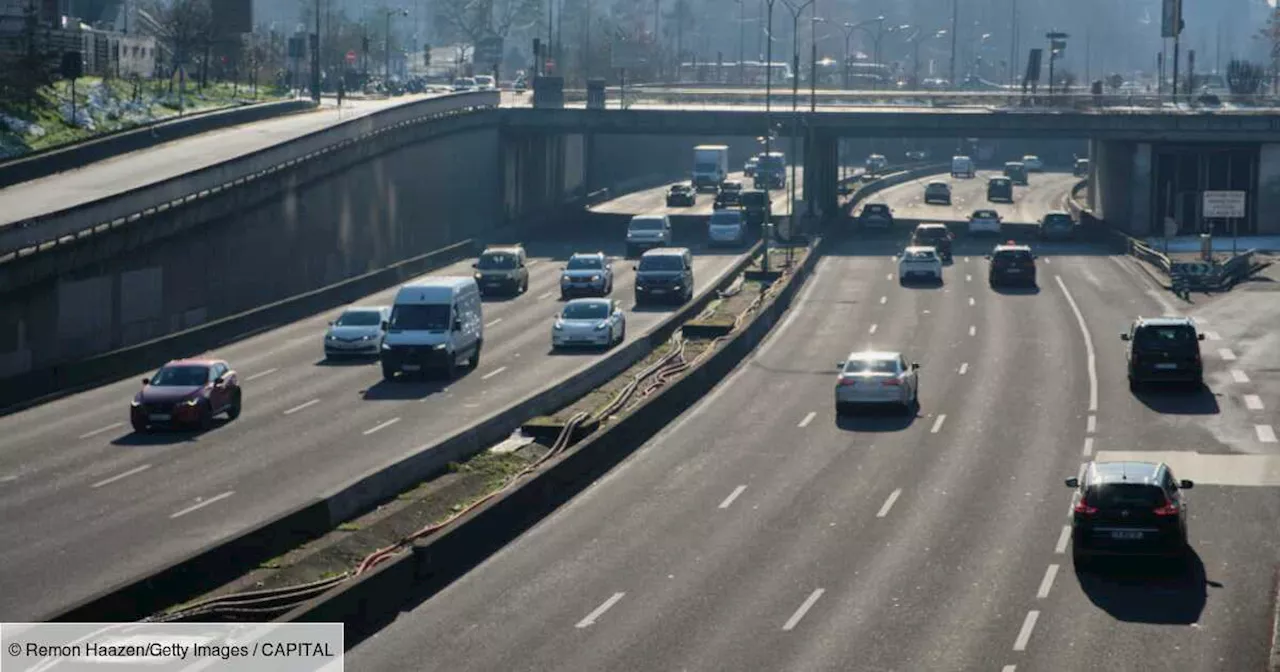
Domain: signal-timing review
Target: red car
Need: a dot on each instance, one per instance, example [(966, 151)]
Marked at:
[(186, 392)]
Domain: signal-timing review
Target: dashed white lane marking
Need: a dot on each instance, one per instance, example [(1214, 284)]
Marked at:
[(1009, 668), (490, 324), (1088, 446), (1091, 425), (102, 429), (127, 474), (1212, 335), (260, 374), (1046, 584), (728, 501), (8, 479), (973, 330), (888, 277), (807, 419), (968, 278), (1088, 345), (964, 368), (301, 406), (1253, 402), (872, 330), (888, 503), (1045, 259), (546, 296), (493, 373), (381, 426), (1265, 433), (1227, 355), (1239, 376), (201, 505), (599, 611), (1063, 538), (971, 301), (966, 260), (937, 424), (804, 608), (884, 300), (1024, 635)]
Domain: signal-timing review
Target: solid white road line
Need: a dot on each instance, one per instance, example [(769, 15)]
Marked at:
[(873, 329), (493, 373), (968, 278), (973, 330), (1239, 376), (1009, 668), (8, 479), (260, 374), (113, 479), (490, 324), (1212, 335), (299, 407), (382, 426), (546, 296), (888, 503), (1226, 354), (1091, 425), (728, 501), (884, 300), (1024, 635), (937, 424), (201, 505), (1253, 402), (1088, 345), (807, 419), (963, 368), (808, 604), (971, 301), (1265, 433), (1088, 446), (599, 611), (101, 430), (1063, 538), (1046, 584)]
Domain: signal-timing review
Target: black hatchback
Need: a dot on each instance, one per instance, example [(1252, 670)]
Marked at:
[(1164, 349), (937, 236), (1128, 508)]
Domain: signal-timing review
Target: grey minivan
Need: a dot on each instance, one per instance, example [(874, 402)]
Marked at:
[(665, 274)]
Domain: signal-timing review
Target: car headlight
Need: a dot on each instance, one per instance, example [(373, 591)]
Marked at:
[(135, 403), (330, 337), (386, 346), (565, 279), (192, 401), (440, 346), (595, 278), (479, 276), (676, 286), (558, 325), (602, 326), (367, 337)]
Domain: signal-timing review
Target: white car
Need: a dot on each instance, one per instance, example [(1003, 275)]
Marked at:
[(598, 322), (726, 227), (358, 331), (485, 83), (984, 221), (464, 84), (919, 262), (1033, 163), (877, 378)]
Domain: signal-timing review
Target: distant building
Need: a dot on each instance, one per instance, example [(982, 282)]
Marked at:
[(111, 54)]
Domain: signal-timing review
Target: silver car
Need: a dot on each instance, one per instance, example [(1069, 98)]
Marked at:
[(588, 273), (358, 331), (726, 227), (598, 322), (876, 378)]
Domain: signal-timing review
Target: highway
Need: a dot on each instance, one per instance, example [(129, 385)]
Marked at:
[(654, 201), (760, 532), (155, 164), (77, 486)]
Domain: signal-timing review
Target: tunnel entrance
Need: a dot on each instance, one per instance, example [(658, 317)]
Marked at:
[(1183, 172)]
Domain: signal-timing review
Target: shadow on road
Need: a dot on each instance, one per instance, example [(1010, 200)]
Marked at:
[(404, 388), (1140, 590), (1179, 399), (877, 419), (166, 436), (1015, 290)]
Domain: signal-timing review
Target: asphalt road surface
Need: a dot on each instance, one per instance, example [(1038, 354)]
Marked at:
[(88, 504), (654, 201), (1045, 192), (761, 532), (155, 164)]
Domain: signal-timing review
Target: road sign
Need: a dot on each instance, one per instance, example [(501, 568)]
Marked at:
[(488, 52), (1171, 18), (351, 56), (1224, 204)]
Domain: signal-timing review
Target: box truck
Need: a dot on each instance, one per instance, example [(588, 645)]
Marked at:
[(710, 166)]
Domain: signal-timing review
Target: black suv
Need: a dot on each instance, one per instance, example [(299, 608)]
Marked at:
[(1128, 508), (1012, 264), (682, 194), (1164, 349), (937, 236)]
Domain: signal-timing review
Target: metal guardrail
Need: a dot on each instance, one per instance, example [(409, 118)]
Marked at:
[(23, 238)]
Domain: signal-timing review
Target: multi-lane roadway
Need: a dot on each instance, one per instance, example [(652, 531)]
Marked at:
[(87, 503), (759, 531)]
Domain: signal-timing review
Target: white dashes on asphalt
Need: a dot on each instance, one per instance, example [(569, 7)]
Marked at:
[(937, 424), (1046, 584), (1227, 354), (804, 608), (1063, 538), (260, 374), (728, 501), (1239, 376), (1266, 434), (201, 505), (1253, 402), (1024, 635), (964, 368), (807, 419), (599, 611), (888, 503)]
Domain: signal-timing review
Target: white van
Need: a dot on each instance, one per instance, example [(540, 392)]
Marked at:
[(435, 323), (961, 166), (646, 232)]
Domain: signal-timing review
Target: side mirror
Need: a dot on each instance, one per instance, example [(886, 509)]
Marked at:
[(331, 323), (635, 268), (839, 366), (1072, 482), (987, 256), (146, 381), (1186, 485), (475, 265), (1124, 337), (1200, 337), (915, 366), (385, 325), (219, 380)]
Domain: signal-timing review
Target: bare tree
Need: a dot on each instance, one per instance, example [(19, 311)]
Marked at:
[(478, 19), (187, 27)]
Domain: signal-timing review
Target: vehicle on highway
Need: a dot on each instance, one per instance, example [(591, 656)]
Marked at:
[(436, 324), (962, 166), (937, 192), (1016, 171), (876, 216), (646, 232), (1033, 163), (1081, 168), (755, 207), (1057, 225), (186, 393), (1128, 508), (984, 221), (874, 378), (771, 171), (937, 236), (919, 262), (710, 166), (731, 186), (1163, 349), (1000, 189), (521, 84), (917, 155), (749, 169), (587, 273), (726, 227), (1011, 263), (502, 269), (665, 274), (727, 199), (598, 322), (876, 163), (464, 84), (682, 195), (485, 83), (357, 331)]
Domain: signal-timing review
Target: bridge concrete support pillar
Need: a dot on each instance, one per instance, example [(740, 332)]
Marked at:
[(822, 172), (533, 174), (1120, 184), (1268, 189)]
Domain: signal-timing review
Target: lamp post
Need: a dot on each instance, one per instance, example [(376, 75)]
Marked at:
[(915, 59), (875, 40), (796, 10), (768, 134), (386, 82), (955, 15)]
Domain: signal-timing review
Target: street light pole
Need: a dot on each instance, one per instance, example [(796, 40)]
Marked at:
[(768, 135), (315, 59), (955, 16), (813, 58), (1013, 44)]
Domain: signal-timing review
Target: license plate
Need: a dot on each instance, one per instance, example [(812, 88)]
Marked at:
[(1166, 367), (160, 417), (1014, 270), (1125, 534), (659, 291), (410, 367), (494, 283)]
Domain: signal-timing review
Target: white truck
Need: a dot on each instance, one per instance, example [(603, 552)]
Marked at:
[(710, 166)]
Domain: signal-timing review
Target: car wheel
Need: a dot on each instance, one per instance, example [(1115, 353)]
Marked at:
[(451, 367), (233, 411), (388, 373), (206, 417), (622, 334), (474, 362)]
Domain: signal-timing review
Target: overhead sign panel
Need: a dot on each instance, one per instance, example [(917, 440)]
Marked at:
[(1224, 204), (1171, 18)]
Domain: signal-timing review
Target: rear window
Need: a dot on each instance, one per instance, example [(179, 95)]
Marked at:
[(1013, 255), (931, 234), (889, 366), (646, 225), (753, 199), (1165, 336), (665, 262), (496, 260), (1058, 220), (876, 209), (920, 255), (726, 218), (1126, 495), (985, 214)]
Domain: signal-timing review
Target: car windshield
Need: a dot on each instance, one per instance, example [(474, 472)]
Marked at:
[(726, 218), (984, 214), (1127, 495), (181, 376), (585, 263), (496, 261), (866, 366), (420, 317), (876, 209), (1058, 220), (1013, 255), (1000, 183), (771, 162), (1166, 336), (646, 225), (359, 318), (919, 255), (662, 262), (592, 310), (753, 199)]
